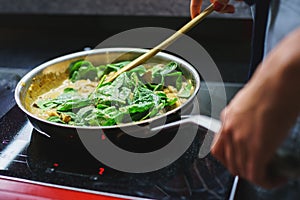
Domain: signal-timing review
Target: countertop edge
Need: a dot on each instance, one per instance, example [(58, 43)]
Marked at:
[(168, 8)]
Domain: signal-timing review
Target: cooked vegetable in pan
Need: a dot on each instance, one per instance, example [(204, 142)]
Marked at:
[(85, 99)]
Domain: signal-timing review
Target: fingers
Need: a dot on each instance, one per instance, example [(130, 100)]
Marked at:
[(233, 151), (218, 144), (231, 155), (241, 158), (224, 149), (226, 9), (230, 148), (222, 6), (195, 7), (218, 151), (238, 146), (249, 169)]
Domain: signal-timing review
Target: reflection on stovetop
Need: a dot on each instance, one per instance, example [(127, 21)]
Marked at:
[(40, 159), (9, 77)]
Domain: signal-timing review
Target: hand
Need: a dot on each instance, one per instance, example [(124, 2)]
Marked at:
[(260, 116), (219, 5)]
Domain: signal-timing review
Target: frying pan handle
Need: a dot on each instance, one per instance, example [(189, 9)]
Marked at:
[(282, 165), (202, 121)]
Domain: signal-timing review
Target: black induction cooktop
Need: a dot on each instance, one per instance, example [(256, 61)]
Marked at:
[(27, 154)]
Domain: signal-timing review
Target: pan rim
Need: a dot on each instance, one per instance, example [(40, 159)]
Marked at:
[(31, 74)]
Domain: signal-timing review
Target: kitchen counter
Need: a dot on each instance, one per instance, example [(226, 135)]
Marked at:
[(111, 7)]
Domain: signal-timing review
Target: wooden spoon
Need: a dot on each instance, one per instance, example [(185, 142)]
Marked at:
[(144, 57)]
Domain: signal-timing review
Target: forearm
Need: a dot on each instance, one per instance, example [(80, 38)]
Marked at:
[(260, 116), (281, 71)]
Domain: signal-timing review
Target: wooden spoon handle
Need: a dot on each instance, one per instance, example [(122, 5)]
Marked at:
[(146, 56)]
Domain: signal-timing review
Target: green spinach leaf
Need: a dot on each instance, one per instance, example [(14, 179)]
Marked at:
[(185, 91)]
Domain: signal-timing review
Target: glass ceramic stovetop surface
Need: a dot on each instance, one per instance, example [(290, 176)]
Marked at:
[(27, 154)]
